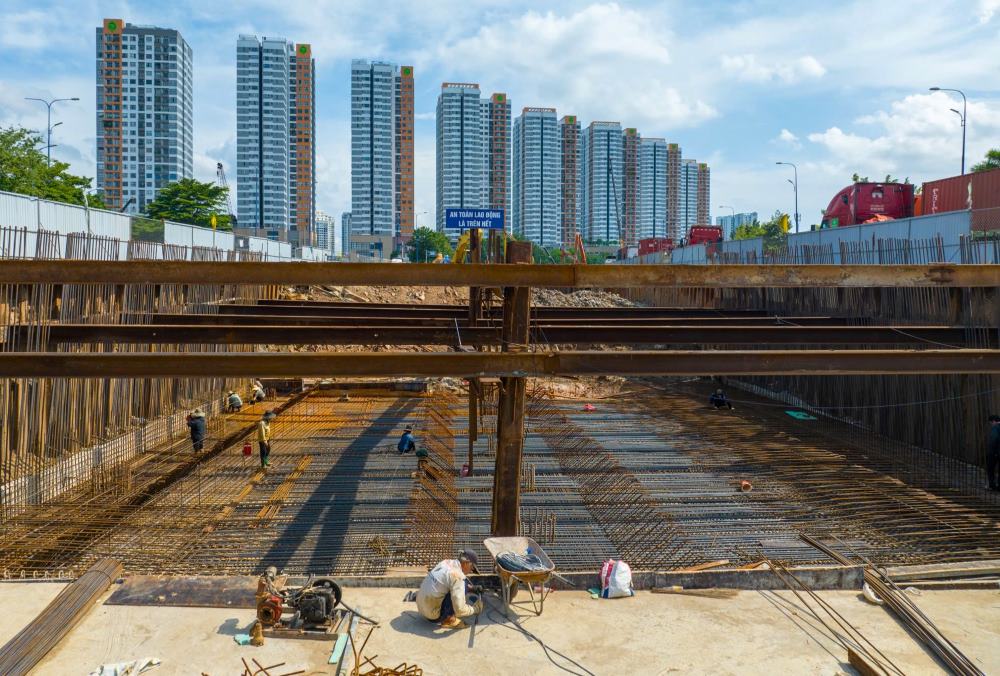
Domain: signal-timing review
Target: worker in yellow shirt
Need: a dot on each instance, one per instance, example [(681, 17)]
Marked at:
[(264, 437)]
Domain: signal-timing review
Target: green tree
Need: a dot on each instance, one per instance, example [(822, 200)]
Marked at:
[(427, 243), (23, 169), (192, 202), (773, 231), (990, 162)]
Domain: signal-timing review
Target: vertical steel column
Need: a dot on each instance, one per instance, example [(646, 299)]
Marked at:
[(475, 313), (510, 413)]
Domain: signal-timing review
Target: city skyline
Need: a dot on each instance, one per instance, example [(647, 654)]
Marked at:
[(739, 108)]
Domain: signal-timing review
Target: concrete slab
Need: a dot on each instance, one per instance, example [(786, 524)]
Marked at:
[(755, 632), (21, 603)]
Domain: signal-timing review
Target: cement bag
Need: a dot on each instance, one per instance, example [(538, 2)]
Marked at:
[(616, 580)]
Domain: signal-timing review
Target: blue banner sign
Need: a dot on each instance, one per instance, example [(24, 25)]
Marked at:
[(467, 219)]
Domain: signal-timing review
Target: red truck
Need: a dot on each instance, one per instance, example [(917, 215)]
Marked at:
[(655, 245), (704, 234), (863, 202)]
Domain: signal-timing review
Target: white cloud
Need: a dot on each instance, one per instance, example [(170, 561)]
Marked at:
[(919, 136), (789, 138), (987, 8), (747, 68), (603, 61)]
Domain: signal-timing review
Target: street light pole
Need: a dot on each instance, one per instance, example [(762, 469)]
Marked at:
[(48, 142), (795, 185), (725, 206), (964, 114)]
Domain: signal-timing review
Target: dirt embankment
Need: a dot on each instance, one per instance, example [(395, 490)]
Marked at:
[(449, 295)]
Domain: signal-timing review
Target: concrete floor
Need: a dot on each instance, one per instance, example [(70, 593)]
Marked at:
[(752, 633)]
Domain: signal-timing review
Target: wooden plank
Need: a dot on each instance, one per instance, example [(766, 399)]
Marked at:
[(862, 665), (701, 566)]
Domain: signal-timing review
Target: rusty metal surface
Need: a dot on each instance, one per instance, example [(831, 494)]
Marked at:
[(558, 276), (540, 334), (480, 364), (188, 591)]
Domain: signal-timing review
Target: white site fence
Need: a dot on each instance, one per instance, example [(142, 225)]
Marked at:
[(180, 241)]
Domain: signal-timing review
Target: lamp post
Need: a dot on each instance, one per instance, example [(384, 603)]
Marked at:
[(48, 142), (963, 115), (795, 185)]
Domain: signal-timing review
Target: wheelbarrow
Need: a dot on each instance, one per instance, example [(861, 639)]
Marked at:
[(509, 579)]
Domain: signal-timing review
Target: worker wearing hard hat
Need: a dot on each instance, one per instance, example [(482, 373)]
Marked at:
[(234, 402), (442, 596), (264, 438)]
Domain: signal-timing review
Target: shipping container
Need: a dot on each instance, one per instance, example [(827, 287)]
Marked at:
[(655, 245), (979, 191)]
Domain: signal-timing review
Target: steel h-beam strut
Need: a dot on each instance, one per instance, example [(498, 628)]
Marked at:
[(505, 519)]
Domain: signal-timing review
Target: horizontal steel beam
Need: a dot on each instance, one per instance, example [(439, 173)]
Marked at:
[(496, 364), (445, 322), (376, 309), (420, 274), (541, 334)]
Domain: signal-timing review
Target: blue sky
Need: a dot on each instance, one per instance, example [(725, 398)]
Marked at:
[(834, 87)]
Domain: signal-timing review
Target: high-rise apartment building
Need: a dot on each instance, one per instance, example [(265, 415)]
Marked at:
[(345, 234), (703, 217), (688, 196), (302, 148), (404, 154), (381, 154), (733, 221), (569, 204), (630, 188), (326, 231), (373, 148), (275, 139), (145, 118), (652, 188), (537, 194), (674, 229), (462, 161), (498, 149), (601, 181)]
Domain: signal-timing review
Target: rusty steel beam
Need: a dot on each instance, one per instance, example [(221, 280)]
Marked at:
[(402, 320), (505, 520), (498, 364), (365, 309), (542, 333), (562, 276)]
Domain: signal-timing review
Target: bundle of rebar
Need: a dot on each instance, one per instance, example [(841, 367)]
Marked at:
[(908, 613), (31, 644)]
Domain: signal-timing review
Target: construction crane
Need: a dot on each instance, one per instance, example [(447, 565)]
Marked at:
[(220, 176)]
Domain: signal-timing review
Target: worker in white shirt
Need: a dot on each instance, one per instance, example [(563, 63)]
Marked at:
[(443, 596)]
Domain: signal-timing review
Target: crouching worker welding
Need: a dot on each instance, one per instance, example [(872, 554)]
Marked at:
[(443, 598), (720, 400)]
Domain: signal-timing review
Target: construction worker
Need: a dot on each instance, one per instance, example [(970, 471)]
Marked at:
[(720, 400), (196, 422), (442, 597), (264, 437), (407, 442), (993, 454), (234, 403), (257, 392)]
